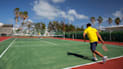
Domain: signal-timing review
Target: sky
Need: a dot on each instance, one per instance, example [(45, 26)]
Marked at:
[(77, 12)]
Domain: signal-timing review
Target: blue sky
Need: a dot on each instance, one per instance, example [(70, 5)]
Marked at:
[(78, 12)]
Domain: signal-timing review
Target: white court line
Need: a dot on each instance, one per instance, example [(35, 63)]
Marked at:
[(91, 63), (7, 48)]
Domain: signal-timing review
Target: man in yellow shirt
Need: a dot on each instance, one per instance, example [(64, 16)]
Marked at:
[(93, 36)]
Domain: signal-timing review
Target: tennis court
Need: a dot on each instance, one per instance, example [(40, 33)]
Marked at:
[(47, 53)]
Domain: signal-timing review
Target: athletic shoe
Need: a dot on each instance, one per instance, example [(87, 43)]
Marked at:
[(95, 59), (104, 59)]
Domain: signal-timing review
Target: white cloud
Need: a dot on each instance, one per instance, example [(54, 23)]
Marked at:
[(118, 13), (58, 1), (63, 14), (67, 16), (70, 18), (78, 16), (1, 24), (46, 10)]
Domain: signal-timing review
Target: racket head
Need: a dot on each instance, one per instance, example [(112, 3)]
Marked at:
[(104, 48)]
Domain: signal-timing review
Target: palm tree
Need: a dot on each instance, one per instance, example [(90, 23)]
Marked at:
[(16, 12), (38, 27), (117, 21), (50, 27), (92, 19), (100, 20), (62, 26), (110, 20), (25, 15), (21, 15), (43, 26), (55, 25), (72, 28), (29, 25), (21, 18)]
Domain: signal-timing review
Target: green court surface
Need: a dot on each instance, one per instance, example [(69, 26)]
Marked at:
[(30, 53)]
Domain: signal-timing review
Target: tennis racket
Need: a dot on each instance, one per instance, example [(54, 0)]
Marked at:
[(104, 48)]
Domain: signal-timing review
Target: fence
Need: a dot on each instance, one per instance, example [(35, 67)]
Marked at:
[(107, 36)]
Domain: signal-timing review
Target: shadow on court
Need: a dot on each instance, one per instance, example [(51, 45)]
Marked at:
[(79, 56)]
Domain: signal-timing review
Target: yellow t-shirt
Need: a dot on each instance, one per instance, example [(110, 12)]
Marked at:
[(91, 33)]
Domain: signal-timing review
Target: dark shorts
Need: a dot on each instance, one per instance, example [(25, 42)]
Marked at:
[(93, 46)]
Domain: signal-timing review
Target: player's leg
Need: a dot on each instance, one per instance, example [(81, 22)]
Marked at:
[(98, 53), (94, 56), (104, 58), (93, 48), (95, 52)]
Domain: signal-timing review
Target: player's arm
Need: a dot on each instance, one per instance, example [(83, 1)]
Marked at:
[(84, 34), (99, 36)]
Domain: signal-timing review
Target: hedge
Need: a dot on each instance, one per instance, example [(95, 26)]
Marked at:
[(115, 35)]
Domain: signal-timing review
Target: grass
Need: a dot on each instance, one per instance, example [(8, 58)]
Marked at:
[(32, 53)]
